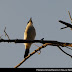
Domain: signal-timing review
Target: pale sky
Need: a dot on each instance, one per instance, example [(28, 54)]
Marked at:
[(14, 15)]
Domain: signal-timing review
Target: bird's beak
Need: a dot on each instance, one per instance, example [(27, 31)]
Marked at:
[(30, 20)]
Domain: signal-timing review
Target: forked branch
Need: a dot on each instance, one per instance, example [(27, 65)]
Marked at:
[(38, 49), (43, 46)]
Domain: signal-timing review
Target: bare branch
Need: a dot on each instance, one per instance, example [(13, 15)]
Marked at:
[(64, 51), (65, 23), (6, 33), (64, 27), (70, 16), (38, 49), (68, 48), (43, 46), (54, 43)]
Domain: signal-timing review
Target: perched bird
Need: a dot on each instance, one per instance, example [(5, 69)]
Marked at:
[(29, 34)]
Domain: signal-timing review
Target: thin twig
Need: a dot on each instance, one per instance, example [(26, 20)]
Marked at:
[(65, 23), (64, 51), (6, 33), (37, 46), (70, 16), (68, 48), (64, 27)]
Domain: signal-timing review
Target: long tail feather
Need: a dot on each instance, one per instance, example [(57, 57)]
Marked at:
[(26, 52)]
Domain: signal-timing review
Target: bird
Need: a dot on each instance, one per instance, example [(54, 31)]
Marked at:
[(29, 34)]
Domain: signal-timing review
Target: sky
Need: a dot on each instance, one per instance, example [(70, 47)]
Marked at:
[(14, 15)]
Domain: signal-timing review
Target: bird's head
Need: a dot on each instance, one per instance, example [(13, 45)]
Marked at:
[(30, 21)]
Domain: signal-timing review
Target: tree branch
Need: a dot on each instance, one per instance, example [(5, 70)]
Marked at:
[(6, 33), (70, 16), (43, 46), (65, 23), (38, 49), (54, 43), (44, 42), (64, 51)]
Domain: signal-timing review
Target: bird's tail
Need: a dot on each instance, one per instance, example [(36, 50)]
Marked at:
[(26, 52)]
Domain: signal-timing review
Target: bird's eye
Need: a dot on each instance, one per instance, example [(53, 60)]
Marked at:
[(28, 22)]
